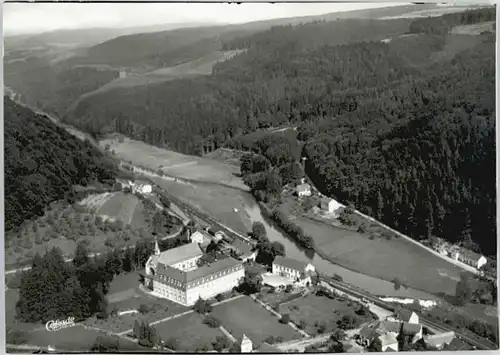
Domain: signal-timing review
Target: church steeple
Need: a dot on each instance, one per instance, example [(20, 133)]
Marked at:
[(157, 247)]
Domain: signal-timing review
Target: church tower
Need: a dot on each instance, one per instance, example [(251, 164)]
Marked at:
[(157, 247)]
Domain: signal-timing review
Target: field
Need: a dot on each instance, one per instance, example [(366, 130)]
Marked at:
[(474, 29), (217, 201), (189, 331), (175, 164), (244, 316), (197, 67), (121, 207), (323, 310), (63, 226), (382, 258)]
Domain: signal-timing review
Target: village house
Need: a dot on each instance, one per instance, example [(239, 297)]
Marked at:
[(329, 205), (243, 250), (388, 342), (439, 341), (178, 275), (469, 257), (415, 331), (197, 237), (303, 190), (406, 315), (292, 269), (141, 187)]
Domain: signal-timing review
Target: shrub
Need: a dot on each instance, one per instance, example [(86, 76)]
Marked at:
[(302, 324), (211, 321), (172, 343), (143, 309), (285, 318)]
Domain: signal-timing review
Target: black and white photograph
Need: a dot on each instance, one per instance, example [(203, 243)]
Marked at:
[(280, 177)]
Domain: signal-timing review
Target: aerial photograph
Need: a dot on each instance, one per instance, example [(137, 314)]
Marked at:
[(249, 177)]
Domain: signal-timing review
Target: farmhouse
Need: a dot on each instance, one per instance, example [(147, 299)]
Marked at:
[(243, 250), (175, 274), (197, 237), (329, 205), (303, 190), (293, 269), (406, 315), (389, 342), (413, 330), (141, 187), (438, 341), (469, 257)]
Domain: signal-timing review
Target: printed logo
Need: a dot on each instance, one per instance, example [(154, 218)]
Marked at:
[(55, 325)]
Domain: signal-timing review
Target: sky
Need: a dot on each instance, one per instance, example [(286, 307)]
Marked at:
[(24, 18)]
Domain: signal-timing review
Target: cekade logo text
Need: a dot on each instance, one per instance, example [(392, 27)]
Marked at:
[(55, 325)]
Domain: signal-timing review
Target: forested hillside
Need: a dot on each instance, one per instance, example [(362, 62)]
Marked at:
[(43, 162), (53, 89), (397, 116)]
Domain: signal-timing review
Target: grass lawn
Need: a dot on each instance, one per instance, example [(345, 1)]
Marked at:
[(319, 309), (124, 282), (174, 164), (121, 206), (382, 258), (132, 299), (74, 338), (189, 331), (245, 316)]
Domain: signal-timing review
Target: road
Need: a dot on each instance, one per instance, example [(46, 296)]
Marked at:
[(411, 240)]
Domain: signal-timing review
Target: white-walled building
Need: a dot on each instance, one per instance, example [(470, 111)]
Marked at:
[(329, 205), (469, 257), (174, 274), (293, 269), (197, 238), (303, 190), (246, 345)]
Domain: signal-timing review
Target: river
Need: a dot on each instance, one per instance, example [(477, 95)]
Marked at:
[(371, 284)]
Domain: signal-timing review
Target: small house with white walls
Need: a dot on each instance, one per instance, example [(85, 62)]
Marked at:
[(406, 315), (469, 257), (293, 269), (329, 205), (197, 237), (141, 187), (246, 345), (303, 190)]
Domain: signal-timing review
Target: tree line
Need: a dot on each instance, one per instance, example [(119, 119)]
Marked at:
[(43, 162), (54, 289)]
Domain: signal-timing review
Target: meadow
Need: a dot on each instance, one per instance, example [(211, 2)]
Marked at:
[(189, 332), (217, 201), (174, 164), (245, 316), (312, 311), (383, 258)]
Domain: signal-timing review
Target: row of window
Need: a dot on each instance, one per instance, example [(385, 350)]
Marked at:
[(287, 269), (215, 276)]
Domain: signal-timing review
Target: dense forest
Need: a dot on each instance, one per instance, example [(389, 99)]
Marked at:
[(43, 162), (403, 128), (54, 89)]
